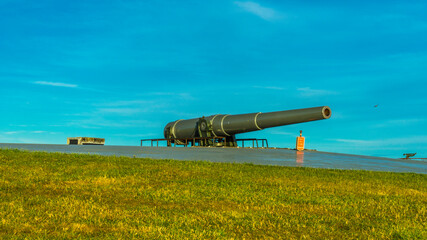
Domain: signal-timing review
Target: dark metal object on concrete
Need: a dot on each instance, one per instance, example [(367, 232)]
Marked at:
[(408, 155), (224, 125)]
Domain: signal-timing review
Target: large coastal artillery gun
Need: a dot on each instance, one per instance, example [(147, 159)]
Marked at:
[(220, 129)]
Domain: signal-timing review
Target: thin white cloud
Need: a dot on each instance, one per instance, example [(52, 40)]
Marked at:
[(12, 132), (400, 122), (96, 123), (139, 135), (56, 84), (124, 103), (278, 132), (27, 132), (385, 142), (148, 103), (127, 110), (258, 10), (269, 87), (38, 131), (121, 111), (309, 92), (185, 96), (20, 125), (355, 141)]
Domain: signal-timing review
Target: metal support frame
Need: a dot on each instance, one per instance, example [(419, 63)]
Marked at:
[(254, 141), (197, 141), (192, 141)]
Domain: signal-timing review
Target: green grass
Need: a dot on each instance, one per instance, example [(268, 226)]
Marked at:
[(69, 196)]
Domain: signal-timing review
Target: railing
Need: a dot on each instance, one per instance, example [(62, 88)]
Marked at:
[(185, 141), (202, 141), (254, 141)]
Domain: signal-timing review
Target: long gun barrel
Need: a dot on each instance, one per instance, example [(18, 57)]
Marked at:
[(224, 125)]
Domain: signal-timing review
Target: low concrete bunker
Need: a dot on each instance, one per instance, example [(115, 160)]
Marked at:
[(85, 141)]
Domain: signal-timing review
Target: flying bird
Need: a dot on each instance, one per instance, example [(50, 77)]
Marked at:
[(376, 106)]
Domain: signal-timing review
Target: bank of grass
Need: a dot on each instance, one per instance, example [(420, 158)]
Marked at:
[(68, 196)]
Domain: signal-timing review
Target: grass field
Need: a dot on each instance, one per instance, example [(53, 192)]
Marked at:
[(69, 196)]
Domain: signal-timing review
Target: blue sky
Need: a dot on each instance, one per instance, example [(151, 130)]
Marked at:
[(123, 69)]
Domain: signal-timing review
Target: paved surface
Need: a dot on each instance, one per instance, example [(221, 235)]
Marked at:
[(280, 157)]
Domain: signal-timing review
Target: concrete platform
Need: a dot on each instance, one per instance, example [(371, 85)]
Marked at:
[(279, 157)]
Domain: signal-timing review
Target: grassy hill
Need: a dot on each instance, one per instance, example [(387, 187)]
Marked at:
[(69, 196)]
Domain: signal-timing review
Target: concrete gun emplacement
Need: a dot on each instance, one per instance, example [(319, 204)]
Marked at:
[(220, 129)]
